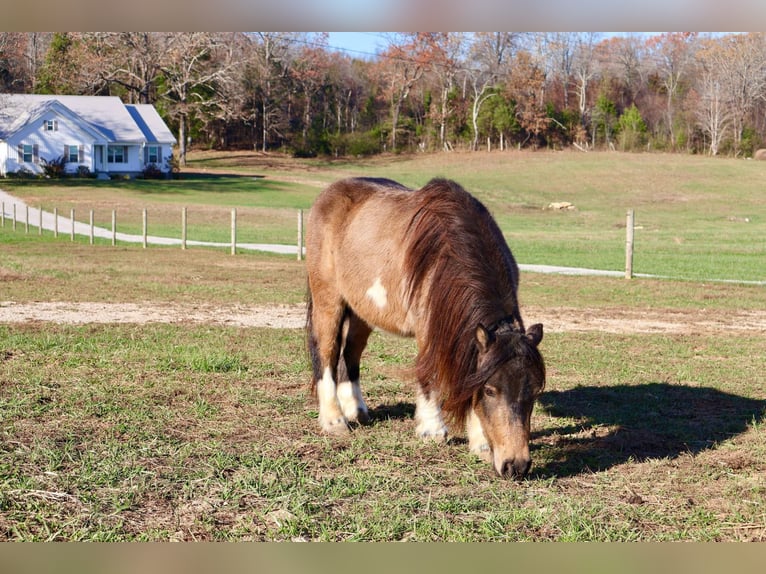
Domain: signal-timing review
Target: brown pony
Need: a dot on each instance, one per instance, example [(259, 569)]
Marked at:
[(432, 264)]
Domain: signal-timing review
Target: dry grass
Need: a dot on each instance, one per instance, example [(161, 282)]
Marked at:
[(194, 431)]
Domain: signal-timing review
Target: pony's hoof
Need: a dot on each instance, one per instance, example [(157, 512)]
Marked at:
[(362, 417), (433, 436), (337, 426)]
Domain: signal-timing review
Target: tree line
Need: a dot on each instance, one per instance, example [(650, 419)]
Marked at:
[(683, 92)]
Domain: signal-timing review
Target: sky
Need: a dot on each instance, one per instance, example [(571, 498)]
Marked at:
[(360, 44)]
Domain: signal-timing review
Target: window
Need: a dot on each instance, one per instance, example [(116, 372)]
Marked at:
[(28, 153), (73, 154), (153, 154), (51, 125), (117, 154)]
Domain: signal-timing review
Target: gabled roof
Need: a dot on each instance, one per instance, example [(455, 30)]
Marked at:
[(150, 123), (105, 114)]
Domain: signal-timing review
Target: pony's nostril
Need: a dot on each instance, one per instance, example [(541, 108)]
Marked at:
[(517, 469)]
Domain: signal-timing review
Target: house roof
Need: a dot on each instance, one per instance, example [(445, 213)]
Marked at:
[(105, 114), (150, 123)]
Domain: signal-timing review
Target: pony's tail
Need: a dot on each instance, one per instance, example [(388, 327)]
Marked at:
[(311, 344)]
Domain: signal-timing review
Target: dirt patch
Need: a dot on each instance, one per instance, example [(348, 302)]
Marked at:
[(556, 319)]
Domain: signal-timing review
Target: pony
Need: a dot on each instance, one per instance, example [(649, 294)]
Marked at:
[(430, 264)]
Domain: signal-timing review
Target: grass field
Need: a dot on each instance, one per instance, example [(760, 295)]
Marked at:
[(696, 217), (191, 431)]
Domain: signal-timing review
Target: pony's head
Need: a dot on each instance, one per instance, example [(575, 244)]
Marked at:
[(510, 373)]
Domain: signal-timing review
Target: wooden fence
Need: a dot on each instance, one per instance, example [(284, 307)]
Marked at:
[(17, 215), (145, 239)]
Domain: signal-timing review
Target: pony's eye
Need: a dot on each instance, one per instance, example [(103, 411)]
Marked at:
[(490, 391)]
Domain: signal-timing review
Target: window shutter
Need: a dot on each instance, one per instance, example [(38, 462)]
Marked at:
[(36, 153), (126, 153), (20, 149), (81, 154), (66, 153), (55, 125), (146, 155)]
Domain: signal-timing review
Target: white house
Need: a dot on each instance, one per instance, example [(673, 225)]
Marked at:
[(99, 133)]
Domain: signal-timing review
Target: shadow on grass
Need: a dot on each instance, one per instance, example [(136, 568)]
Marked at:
[(619, 423), (400, 410)]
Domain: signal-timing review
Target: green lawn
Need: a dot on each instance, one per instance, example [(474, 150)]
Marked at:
[(697, 217)]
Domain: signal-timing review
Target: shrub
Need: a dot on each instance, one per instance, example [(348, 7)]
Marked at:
[(54, 168), (21, 173), (356, 144), (632, 129), (152, 171)]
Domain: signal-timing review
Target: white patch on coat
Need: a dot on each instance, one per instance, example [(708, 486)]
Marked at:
[(378, 294), (428, 414)]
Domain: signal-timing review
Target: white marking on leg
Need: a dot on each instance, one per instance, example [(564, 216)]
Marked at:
[(331, 416), (378, 294), (477, 441), (351, 401), (428, 415)]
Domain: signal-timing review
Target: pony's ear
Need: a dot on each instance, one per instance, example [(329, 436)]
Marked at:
[(535, 334), (484, 338)]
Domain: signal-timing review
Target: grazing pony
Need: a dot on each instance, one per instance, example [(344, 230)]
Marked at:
[(429, 263)]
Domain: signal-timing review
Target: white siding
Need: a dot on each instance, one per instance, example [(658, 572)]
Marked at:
[(90, 122), (50, 144)]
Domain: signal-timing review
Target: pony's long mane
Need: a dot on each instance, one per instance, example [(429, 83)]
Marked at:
[(459, 265)]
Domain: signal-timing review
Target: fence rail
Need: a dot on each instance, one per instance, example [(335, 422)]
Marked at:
[(52, 221)]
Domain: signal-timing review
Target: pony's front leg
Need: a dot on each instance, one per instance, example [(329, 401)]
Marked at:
[(477, 441), (428, 416)]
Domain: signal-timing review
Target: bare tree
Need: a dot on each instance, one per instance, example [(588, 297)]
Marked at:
[(403, 64), (310, 74), (743, 67), (489, 59), (445, 67), (268, 68), (12, 73), (193, 63), (560, 50), (584, 69), (673, 55)]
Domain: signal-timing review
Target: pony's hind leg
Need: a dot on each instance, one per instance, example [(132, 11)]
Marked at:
[(356, 332), (325, 323)]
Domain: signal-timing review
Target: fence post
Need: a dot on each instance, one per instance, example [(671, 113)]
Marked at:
[(629, 230), (114, 227), (233, 230), (55, 222), (144, 224), (300, 235), (91, 226), (183, 228)]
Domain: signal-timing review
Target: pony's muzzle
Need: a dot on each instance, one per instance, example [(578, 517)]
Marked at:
[(516, 468)]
